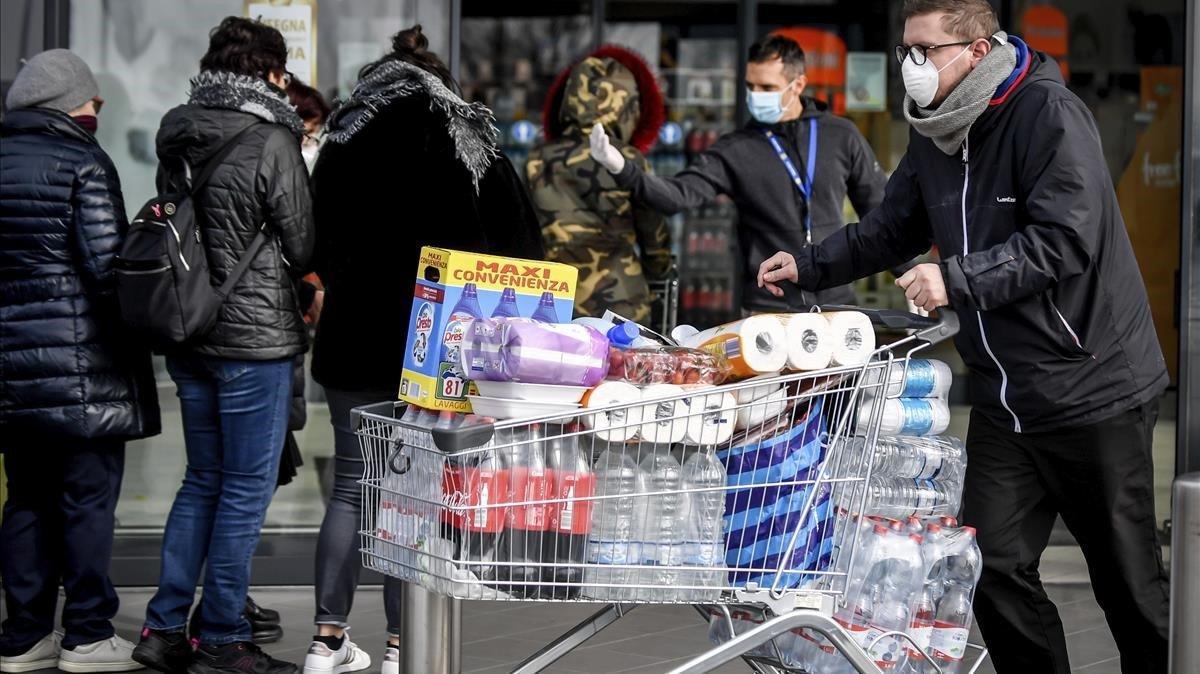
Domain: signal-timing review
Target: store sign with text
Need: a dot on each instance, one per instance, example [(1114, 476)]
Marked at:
[(297, 21)]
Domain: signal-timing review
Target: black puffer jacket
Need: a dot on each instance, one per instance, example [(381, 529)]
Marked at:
[(66, 366), (263, 180), (1056, 327)]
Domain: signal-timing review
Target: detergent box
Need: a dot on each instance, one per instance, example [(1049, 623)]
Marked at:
[(454, 288)]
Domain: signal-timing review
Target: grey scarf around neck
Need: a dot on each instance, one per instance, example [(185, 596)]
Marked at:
[(471, 126), (948, 124), (231, 91)]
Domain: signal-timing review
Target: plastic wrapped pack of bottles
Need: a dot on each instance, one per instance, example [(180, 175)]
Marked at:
[(914, 398)]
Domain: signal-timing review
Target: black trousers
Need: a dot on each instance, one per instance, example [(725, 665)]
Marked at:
[(58, 529), (1100, 479)]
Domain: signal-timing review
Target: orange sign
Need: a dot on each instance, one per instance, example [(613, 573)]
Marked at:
[(824, 63), (1044, 28)]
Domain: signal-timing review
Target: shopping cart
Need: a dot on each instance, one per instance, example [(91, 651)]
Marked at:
[(469, 511)]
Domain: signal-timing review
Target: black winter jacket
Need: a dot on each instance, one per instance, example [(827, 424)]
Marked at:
[(394, 187), (1056, 326), (67, 366), (263, 181), (744, 166)]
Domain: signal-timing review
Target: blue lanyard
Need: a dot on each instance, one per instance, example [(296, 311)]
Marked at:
[(810, 166)]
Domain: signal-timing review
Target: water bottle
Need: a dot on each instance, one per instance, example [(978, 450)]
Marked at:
[(704, 546), (890, 615), (920, 629), (619, 484), (507, 307), (572, 486), (662, 540), (951, 627), (525, 461), (919, 458), (907, 416), (903, 498), (925, 379), (964, 565), (545, 311)]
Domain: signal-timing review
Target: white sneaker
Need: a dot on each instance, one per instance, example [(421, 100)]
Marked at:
[(391, 661), (43, 655), (322, 659), (111, 655)]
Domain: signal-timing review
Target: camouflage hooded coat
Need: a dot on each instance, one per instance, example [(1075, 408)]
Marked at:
[(587, 220)]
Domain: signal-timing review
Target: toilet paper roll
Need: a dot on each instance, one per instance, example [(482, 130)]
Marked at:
[(809, 340), (711, 418), (751, 346), (664, 421), (853, 337), (746, 395), (616, 425), (763, 410)]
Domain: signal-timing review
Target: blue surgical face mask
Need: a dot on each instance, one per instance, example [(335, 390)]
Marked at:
[(766, 106)]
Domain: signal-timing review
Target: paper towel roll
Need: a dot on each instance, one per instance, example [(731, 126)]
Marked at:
[(711, 418), (809, 340), (745, 395), (763, 410), (616, 425), (853, 337), (754, 345), (664, 421)]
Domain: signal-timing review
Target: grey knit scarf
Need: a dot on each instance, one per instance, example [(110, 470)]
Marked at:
[(948, 124), (230, 91), (472, 126)]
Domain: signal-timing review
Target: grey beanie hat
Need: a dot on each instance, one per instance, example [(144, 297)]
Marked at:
[(56, 79)]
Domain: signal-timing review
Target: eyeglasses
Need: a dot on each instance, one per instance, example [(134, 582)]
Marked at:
[(920, 53), (287, 78)]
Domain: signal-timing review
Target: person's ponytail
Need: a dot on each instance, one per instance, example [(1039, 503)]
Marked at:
[(411, 46)]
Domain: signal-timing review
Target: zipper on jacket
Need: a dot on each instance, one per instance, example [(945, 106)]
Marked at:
[(966, 162), (1070, 330)]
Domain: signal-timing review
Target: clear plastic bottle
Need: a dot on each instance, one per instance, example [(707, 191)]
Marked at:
[(485, 487), (662, 541), (920, 630), (951, 627), (572, 486), (525, 462), (925, 379), (903, 498), (545, 311), (919, 458), (507, 307), (704, 546), (907, 416), (616, 520)]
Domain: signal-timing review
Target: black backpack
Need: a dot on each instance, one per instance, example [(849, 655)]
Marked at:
[(163, 282)]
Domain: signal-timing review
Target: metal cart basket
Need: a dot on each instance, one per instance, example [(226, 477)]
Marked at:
[(558, 508)]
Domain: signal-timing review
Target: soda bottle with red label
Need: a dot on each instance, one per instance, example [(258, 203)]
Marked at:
[(523, 456), (572, 486), (485, 487)]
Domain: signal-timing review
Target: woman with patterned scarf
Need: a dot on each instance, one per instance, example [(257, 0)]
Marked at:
[(406, 163), (234, 384)]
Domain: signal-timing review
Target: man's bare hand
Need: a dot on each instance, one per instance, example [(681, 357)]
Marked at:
[(923, 286), (779, 267)]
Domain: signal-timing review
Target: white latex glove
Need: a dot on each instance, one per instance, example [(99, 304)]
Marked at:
[(603, 151)]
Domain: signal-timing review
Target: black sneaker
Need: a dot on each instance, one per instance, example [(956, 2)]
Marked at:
[(169, 652), (258, 614), (242, 657)]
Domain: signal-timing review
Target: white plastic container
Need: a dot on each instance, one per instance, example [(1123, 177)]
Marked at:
[(507, 408), (541, 393)]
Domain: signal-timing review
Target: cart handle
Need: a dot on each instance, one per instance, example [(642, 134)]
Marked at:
[(928, 329)]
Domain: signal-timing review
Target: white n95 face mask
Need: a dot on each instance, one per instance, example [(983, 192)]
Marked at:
[(921, 81)]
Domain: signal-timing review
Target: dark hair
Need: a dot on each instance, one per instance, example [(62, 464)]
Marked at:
[(309, 102), (779, 47), (245, 47), (965, 19), (411, 46)]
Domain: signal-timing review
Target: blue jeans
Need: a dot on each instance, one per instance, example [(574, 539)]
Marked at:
[(235, 414)]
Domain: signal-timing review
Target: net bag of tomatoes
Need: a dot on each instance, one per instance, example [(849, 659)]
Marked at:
[(666, 365)]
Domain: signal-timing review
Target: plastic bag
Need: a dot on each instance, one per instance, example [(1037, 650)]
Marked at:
[(666, 365)]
